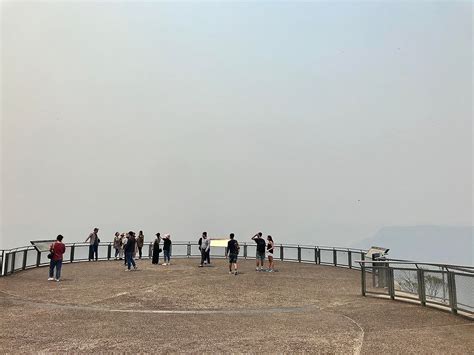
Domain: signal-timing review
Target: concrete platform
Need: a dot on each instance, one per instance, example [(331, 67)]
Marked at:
[(182, 308)]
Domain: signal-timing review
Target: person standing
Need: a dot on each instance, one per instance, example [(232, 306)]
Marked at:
[(205, 249), (93, 239), (156, 250), (129, 249), (260, 256), (140, 242), (232, 250), (57, 249), (167, 249), (117, 244), (270, 249), (123, 241)]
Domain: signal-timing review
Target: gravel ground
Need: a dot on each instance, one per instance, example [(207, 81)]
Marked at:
[(182, 308)]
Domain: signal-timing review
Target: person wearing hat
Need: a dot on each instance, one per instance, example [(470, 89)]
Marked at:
[(167, 249)]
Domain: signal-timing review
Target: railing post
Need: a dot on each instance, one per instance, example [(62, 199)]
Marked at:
[(299, 254), (13, 262), (38, 258), (25, 255), (453, 303), (281, 252), (245, 250), (109, 251), (7, 257), (334, 256), (391, 282), (316, 255), (1, 264), (72, 253), (319, 256), (349, 258), (420, 274), (362, 281), (188, 250)]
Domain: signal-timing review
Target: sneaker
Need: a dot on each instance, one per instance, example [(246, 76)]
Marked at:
[(50, 279), (57, 280), (127, 269), (164, 264), (271, 270), (230, 272), (256, 269), (135, 268), (201, 265), (235, 273)]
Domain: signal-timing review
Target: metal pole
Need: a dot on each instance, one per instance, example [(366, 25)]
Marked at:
[(13, 262), (281, 252), (188, 250), (453, 303), (349, 259), (316, 255), (391, 283), (299, 254), (334, 256), (25, 256), (362, 283), (245, 250), (420, 274), (5, 271), (109, 251), (72, 253)]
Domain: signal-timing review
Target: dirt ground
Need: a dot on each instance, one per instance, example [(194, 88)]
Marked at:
[(182, 308)]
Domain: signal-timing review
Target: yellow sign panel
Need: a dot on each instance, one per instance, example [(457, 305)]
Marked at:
[(219, 242)]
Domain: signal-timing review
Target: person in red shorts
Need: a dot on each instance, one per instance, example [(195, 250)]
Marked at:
[(57, 250)]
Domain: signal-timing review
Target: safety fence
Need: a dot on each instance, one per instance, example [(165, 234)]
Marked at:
[(23, 258), (440, 285)]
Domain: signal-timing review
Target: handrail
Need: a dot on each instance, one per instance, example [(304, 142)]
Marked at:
[(467, 268)]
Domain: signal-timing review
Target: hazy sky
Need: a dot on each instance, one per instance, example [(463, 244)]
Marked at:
[(235, 117)]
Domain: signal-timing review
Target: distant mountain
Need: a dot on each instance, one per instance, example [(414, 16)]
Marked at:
[(442, 244)]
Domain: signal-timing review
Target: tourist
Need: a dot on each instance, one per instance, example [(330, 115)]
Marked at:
[(123, 241), (129, 249), (117, 244), (205, 249), (232, 250), (56, 250), (156, 250), (94, 240), (167, 249), (140, 242), (270, 249), (260, 257)]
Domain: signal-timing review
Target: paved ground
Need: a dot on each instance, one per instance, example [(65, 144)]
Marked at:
[(183, 308)]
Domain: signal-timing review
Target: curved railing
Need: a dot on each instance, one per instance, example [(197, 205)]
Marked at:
[(430, 284)]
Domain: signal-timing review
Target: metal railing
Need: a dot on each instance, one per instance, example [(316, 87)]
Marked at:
[(446, 286), (23, 258)]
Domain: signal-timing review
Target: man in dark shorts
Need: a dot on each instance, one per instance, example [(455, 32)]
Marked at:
[(233, 252), (260, 257)]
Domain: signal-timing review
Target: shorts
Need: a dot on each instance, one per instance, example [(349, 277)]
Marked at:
[(269, 255), (232, 258), (260, 255)]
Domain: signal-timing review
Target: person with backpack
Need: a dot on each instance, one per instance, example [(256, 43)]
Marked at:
[(56, 251), (129, 250), (232, 250), (260, 257), (205, 249)]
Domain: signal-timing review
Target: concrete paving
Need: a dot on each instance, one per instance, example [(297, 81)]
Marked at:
[(182, 308)]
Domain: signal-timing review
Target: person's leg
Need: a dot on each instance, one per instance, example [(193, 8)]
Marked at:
[(133, 263), (91, 252), (96, 251), (203, 257), (208, 256), (139, 252), (128, 256), (51, 269), (59, 265)]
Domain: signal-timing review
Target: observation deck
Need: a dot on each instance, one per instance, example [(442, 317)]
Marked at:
[(308, 307)]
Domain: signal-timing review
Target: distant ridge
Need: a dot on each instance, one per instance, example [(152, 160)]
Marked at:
[(444, 244)]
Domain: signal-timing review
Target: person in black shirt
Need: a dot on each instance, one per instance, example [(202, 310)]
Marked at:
[(260, 257), (270, 249), (233, 252), (156, 250), (167, 249), (129, 249)]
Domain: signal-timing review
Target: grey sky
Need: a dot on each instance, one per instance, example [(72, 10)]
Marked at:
[(235, 117)]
